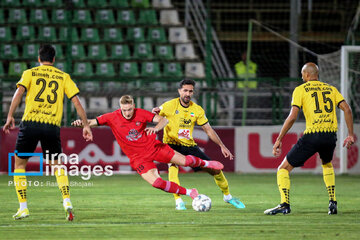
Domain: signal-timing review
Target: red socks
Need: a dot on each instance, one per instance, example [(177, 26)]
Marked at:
[(168, 186), (192, 161)]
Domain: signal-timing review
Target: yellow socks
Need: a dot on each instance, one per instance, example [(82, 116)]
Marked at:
[(174, 177), (63, 182), (283, 181), (223, 184), (329, 180), (20, 187)]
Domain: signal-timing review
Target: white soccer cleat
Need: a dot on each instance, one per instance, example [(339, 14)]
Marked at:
[(21, 214)]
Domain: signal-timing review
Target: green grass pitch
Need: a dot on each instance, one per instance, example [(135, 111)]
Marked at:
[(126, 207)]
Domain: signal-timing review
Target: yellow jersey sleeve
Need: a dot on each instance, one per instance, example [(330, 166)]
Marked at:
[(202, 119), (297, 98), (338, 97), (25, 79), (70, 87)]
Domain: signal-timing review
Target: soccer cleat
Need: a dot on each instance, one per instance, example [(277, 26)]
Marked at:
[(21, 214), (180, 206), (283, 208), (332, 207), (235, 202), (68, 211), (194, 193), (215, 165)]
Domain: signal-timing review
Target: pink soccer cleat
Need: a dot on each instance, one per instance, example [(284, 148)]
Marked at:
[(194, 193), (215, 165)]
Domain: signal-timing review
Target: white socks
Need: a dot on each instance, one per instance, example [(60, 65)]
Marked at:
[(227, 197), (23, 205)]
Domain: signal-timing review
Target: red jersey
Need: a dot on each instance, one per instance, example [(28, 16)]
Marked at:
[(130, 134)]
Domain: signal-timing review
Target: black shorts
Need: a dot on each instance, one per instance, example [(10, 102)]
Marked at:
[(32, 132), (309, 144), (195, 151)]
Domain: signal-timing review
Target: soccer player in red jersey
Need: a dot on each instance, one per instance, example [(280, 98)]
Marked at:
[(139, 143)]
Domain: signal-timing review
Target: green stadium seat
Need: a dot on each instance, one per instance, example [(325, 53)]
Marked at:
[(59, 51), (129, 69), (113, 35), (119, 3), (10, 3), (5, 34), (52, 3), (31, 3), (96, 4), (9, 51), (148, 17), (78, 3), (77, 51), (172, 70), (17, 16), (59, 16), (30, 51), (47, 34), (89, 86), (63, 34), (25, 33), (97, 52), (143, 51), (61, 65), (38, 16), (105, 16), (82, 17), (164, 52), (140, 3), (105, 69), (126, 17), (120, 52), (83, 69), (16, 68), (89, 35), (2, 72), (157, 35), (150, 69), (135, 34), (2, 19)]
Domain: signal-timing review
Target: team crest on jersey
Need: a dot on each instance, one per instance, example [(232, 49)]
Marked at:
[(134, 135), (137, 123)]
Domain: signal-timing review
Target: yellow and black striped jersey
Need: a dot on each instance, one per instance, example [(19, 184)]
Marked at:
[(182, 120), (318, 101), (45, 87)]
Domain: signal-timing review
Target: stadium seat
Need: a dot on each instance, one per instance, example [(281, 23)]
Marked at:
[(143, 51), (77, 51), (150, 69), (17, 16), (52, 3), (105, 69), (162, 4), (78, 3), (31, 3), (185, 51), (63, 34), (156, 35), (10, 3), (104, 16), (140, 3), (129, 69), (59, 51), (2, 19), (119, 3), (61, 65), (178, 35), (126, 17), (16, 68), (2, 72), (120, 51), (83, 69), (147, 17), (113, 35), (135, 34), (59, 16), (9, 51), (164, 52), (25, 32), (89, 86), (47, 34), (172, 70), (147, 103), (194, 70), (38, 16), (115, 103), (89, 35), (96, 4), (82, 17), (97, 52), (169, 17), (98, 104), (5, 34), (30, 51)]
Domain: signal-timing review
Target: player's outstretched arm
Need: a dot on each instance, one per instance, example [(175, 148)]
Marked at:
[(79, 123), (162, 122), (87, 134), (10, 121), (349, 123)]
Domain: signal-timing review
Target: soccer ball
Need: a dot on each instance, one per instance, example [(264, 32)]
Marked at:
[(201, 203)]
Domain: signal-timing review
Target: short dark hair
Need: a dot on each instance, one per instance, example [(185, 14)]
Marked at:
[(46, 53), (186, 81)]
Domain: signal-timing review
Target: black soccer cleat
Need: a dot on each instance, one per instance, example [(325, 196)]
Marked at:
[(332, 207), (283, 208)]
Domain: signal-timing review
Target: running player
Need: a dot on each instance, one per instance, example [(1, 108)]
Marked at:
[(318, 101)]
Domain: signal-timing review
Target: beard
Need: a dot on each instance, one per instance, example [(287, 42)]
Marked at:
[(186, 99)]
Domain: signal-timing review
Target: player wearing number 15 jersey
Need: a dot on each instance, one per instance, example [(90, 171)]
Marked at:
[(45, 86), (318, 101)]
